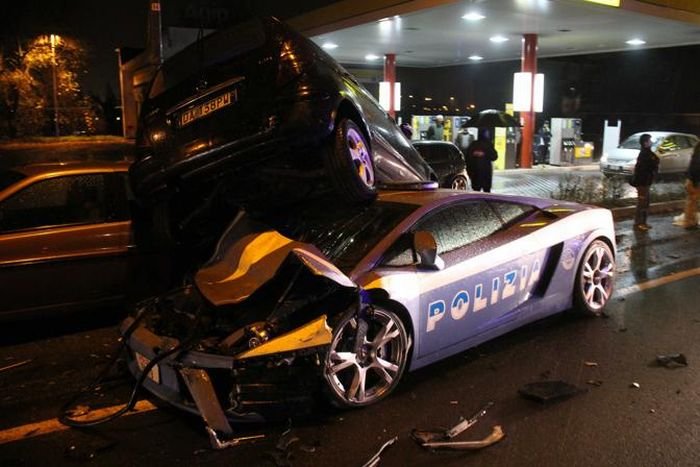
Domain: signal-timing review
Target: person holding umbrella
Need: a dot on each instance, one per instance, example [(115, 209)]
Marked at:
[(479, 157)]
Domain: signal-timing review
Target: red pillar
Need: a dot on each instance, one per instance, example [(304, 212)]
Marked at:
[(529, 64), (390, 76)]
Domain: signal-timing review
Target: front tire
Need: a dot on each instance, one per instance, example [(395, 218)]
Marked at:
[(361, 375), (594, 279), (349, 163)]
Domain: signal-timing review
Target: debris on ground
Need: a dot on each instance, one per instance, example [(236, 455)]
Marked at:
[(441, 439), (14, 365), (622, 329), (549, 391), (635, 385), (591, 364), (374, 460), (675, 360), (652, 410), (496, 435), (428, 436), (88, 448), (594, 382), (78, 411)]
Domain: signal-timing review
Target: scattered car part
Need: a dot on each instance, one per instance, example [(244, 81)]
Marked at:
[(549, 391), (374, 460), (495, 436), (675, 360), (423, 436), (635, 385)]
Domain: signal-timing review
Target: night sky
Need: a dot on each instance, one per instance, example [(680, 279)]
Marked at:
[(101, 26)]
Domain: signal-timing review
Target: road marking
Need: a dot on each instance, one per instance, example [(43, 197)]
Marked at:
[(676, 276), (53, 425)]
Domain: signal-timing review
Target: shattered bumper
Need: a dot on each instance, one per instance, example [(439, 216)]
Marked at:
[(273, 380)]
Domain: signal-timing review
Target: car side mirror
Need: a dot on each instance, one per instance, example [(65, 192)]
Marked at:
[(426, 248)]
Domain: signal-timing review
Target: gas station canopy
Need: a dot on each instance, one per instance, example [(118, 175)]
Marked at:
[(441, 33)]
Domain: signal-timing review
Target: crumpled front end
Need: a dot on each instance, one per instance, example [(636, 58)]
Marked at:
[(258, 355)]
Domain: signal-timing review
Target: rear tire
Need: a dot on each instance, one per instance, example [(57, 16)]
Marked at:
[(594, 279), (349, 163)]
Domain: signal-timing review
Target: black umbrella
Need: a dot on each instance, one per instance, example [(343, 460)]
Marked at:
[(493, 118)]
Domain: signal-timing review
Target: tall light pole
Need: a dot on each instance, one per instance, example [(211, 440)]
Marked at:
[(54, 40)]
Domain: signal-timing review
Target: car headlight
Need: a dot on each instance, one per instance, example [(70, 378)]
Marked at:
[(604, 158)]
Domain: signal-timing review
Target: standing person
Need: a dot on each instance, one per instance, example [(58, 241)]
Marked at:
[(464, 138), (436, 129), (692, 186), (480, 155), (644, 172)]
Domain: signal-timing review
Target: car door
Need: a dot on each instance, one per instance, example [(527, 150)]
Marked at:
[(437, 156), (484, 282), (63, 241), (670, 154)]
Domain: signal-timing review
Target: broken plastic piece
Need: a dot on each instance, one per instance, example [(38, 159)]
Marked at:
[(635, 385), (424, 436), (590, 363), (496, 435), (374, 461), (675, 360), (549, 391), (594, 382), (219, 443), (14, 365)]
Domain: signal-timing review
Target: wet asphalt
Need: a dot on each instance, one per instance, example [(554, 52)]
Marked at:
[(609, 422)]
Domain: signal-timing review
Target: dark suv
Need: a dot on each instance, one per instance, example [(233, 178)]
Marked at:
[(260, 116), (447, 161)]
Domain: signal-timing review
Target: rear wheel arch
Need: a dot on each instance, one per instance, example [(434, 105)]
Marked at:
[(347, 109)]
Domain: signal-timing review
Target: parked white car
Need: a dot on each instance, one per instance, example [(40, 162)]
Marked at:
[(674, 150)]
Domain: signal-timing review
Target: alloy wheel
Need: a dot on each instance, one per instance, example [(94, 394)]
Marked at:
[(362, 366), (361, 158), (596, 276)]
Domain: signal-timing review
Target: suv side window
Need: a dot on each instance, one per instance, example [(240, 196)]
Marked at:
[(69, 200), (460, 225), (456, 155)]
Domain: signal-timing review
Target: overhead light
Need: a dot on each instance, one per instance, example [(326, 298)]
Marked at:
[(498, 39), (329, 46), (476, 58), (473, 16), (636, 42), (613, 3), (372, 57)]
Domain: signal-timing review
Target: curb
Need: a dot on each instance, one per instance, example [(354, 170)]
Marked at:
[(627, 212)]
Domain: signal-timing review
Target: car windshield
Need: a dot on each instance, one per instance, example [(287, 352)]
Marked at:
[(215, 48), (9, 177), (633, 142), (345, 235)]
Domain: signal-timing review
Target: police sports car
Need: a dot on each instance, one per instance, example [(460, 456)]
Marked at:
[(345, 301)]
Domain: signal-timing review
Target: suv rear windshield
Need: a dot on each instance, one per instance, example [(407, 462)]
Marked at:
[(9, 177), (213, 49)]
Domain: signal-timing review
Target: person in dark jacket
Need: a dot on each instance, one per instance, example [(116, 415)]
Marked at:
[(692, 186), (644, 172), (436, 130), (479, 156)]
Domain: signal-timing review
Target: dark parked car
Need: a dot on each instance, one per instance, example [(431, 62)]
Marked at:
[(447, 161), (65, 234), (257, 114)]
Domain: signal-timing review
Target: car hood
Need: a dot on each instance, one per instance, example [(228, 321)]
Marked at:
[(250, 254), (623, 155)]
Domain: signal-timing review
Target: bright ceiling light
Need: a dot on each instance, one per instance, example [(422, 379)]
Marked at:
[(475, 58), (636, 42), (473, 16), (372, 57), (498, 39), (329, 46)]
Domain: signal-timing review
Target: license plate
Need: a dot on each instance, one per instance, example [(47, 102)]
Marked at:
[(142, 362), (202, 110)]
